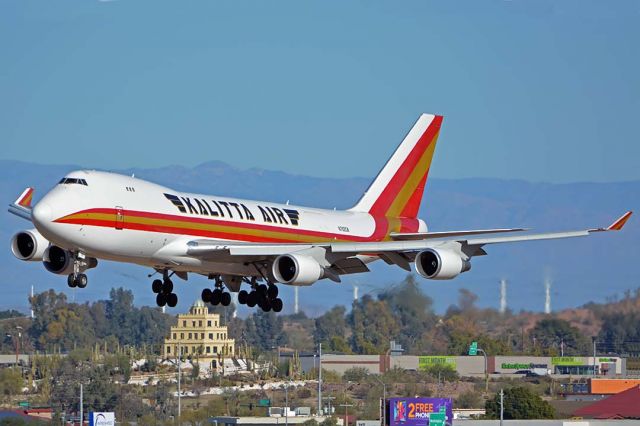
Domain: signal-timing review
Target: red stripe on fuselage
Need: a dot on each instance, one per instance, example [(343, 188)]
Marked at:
[(381, 230)]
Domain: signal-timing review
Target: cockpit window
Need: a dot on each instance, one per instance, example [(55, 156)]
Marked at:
[(66, 181)]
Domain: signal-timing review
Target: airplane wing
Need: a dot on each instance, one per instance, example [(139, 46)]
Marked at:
[(400, 236), (22, 206), (400, 253)]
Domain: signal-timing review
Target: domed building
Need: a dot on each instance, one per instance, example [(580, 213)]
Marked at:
[(198, 335)]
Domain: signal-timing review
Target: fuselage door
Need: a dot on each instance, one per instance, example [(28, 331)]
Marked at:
[(119, 217)]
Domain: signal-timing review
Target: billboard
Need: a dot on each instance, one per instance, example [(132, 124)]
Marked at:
[(420, 411), (424, 362), (102, 419)]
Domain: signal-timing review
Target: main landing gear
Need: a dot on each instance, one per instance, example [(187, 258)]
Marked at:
[(76, 278), (217, 296), (164, 290), (263, 295)]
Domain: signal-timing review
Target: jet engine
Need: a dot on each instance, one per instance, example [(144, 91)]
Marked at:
[(439, 264), (29, 245), (60, 261), (296, 269)]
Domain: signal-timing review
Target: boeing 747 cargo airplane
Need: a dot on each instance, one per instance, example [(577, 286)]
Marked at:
[(93, 215)]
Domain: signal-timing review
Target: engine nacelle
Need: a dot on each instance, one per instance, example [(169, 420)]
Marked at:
[(437, 264), (296, 269), (60, 261), (29, 245)]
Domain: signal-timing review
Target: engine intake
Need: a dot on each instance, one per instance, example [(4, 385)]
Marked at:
[(60, 261), (29, 245), (296, 269), (436, 264)]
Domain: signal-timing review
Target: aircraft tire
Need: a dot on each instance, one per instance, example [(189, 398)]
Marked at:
[(252, 299), (272, 291), (206, 295), (225, 299), (276, 304), (71, 280), (266, 305), (161, 299), (263, 288), (156, 286), (172, 300), (216, 297), (82, 280), (167, 286), (242, 297)]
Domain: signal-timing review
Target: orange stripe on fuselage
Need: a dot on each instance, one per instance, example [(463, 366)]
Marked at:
[(221, 229)]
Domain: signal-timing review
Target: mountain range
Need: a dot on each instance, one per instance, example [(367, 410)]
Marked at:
[(580, 270)]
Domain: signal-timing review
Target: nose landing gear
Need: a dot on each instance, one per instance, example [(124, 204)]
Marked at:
[(164, 290)]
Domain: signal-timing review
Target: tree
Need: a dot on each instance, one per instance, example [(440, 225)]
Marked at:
[(620, 332), (355, 374), (469, 399), (10, 382), (519, 403), (373, 326), (552, 332), (329, 325), (413, 309), (264, 331)]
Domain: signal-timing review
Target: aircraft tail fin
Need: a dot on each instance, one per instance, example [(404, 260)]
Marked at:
[(397, 190)]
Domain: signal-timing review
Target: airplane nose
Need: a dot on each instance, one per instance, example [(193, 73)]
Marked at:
[(41, 214)]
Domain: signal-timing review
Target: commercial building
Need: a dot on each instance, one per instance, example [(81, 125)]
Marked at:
[(200, 336), (473, 366)]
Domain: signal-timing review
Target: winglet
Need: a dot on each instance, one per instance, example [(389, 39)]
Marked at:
[(25, 198), (618, 224)]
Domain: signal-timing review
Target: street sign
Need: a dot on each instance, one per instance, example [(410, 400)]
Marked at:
[(437, 419), (24, 404), (473, 348), (264, 403)]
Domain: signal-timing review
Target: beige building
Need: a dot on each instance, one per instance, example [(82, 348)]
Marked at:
[(199, 336)]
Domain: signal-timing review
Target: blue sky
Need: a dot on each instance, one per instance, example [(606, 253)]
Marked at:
[(535, 90)]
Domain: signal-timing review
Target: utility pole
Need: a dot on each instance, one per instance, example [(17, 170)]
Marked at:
[(346, 413), (384, 400), (486, 373), (179, 379), (286, 403), (501, 406), (320, 379), (81, 413)]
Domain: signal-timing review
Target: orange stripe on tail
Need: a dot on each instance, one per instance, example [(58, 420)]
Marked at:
[(397, 190)]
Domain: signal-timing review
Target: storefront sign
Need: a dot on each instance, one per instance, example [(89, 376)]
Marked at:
[(567, 360), (521, 366), (425, 362)]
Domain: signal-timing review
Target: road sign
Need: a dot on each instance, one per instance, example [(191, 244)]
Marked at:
[(23, 404), (264, 403), (437, 419), (473, 348)]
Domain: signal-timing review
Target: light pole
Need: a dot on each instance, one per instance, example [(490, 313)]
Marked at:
[(319, 378), (179, 380), (286, 403), (384, 400), (486, 374), (501, 406)]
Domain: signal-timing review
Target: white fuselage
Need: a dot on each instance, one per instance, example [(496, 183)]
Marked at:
[(126, 219)]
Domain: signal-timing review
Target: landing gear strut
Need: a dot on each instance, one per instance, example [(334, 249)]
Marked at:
[(76, 278), (164, 290)]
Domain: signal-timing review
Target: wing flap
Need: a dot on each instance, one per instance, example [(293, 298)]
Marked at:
[(397, 236)]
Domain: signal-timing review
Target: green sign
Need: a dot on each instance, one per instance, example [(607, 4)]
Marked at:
[(425, 362), (23, 404), (473, 348), (607, 360), (566, 360), (437, 419), (264, 403)]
